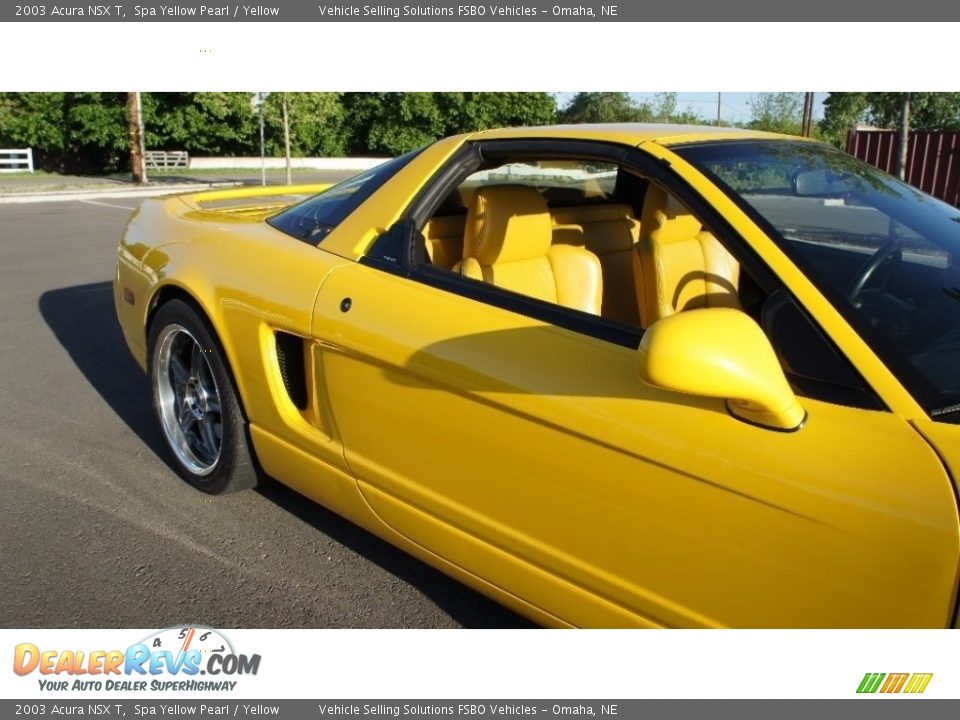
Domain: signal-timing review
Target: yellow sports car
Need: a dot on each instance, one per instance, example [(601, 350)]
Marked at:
[(624, 375)]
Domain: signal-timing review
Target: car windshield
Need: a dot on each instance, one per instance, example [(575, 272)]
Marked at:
[(885, 253)]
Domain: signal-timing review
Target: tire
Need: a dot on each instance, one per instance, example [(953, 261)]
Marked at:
[(195, 402)]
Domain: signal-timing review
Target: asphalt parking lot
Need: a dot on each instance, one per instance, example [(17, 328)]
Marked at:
[(97, 531)]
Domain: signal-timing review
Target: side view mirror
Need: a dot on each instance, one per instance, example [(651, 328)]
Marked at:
[(723, 353)]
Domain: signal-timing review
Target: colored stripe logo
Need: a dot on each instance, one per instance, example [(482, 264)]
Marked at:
[(913, 683)]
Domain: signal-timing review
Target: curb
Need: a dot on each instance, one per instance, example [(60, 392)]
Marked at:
[(144, 192)]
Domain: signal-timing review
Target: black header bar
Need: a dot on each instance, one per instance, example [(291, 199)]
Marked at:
[(497, 11)]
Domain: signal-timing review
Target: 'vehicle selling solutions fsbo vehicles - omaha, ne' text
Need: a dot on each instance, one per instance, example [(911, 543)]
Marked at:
[(625, 375)]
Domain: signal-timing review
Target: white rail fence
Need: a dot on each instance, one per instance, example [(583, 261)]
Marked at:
[(163, 159), (21, 160), (167, 159), (16, 160)]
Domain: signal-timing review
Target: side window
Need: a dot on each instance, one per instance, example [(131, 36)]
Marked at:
[(314, 218), (561, 182), (556, 230), (585, 235), (813, 366), (600, 239)]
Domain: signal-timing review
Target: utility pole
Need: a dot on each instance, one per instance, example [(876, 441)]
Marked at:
[(257, 102), (904, 137), (138, 168), (718, 109), (263, 151), (286, 137), (807, 125)]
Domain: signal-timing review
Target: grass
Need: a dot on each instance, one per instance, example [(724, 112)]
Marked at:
[(204, 172), (169, 172), (27, 174)]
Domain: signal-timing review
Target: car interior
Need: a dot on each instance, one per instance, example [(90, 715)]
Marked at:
[(602, 240), (588, 236)]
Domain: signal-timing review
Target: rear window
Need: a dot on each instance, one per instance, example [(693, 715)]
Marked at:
[(314, 218), (562, 183)]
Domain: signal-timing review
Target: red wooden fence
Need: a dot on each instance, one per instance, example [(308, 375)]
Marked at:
[(933, 158)]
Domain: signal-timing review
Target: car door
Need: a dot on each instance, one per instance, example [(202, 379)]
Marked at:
[(528, 453)]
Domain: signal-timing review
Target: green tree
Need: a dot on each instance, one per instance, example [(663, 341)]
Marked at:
[(780, 112), (203, 123), (317, 124), (68, 131), (95, 131), (664, 106), (32, 120), (390, 123), (87, 132), (619, 107), (928, 111), (603, 107), (470, 111)]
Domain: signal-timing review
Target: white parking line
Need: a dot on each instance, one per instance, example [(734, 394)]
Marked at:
[(95, 202)]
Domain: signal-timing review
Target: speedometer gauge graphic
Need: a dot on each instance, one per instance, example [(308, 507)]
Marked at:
[(180, 640)]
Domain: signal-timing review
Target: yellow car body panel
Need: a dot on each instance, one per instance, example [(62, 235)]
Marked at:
[(353, 237), (566, 489), (627, 134), (654, 502)]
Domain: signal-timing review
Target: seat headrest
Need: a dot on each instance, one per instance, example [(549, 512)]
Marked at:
[(506, 223), (663, 213)]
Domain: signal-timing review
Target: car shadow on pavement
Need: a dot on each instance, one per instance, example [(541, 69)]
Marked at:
[(83, 320), (464, 605)]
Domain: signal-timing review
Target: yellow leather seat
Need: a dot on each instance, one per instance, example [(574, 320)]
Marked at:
[(610, 233), (507, 242), (444, 239), (679, 265)]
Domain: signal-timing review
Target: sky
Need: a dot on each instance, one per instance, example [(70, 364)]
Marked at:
[(734, 106)]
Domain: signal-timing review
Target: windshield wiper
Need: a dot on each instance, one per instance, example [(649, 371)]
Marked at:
[(946, 412)]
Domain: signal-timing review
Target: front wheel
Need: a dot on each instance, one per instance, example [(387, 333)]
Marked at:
[(196, 404)]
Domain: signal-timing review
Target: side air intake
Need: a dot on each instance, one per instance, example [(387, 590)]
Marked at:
[(292, 369)]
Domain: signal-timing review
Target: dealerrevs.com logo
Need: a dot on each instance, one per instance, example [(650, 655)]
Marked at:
[(888, 683), (171, 659)]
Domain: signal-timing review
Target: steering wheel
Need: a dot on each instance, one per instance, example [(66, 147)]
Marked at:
[(892, 249)]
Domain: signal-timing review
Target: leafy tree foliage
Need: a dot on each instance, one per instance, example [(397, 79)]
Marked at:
[(318, 125), (780, 112), (602, 107), (483, 110), (663, 108), (928, 111), (87, 132), (71, 131), (390, 123), (206, 123), (606, 107)]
